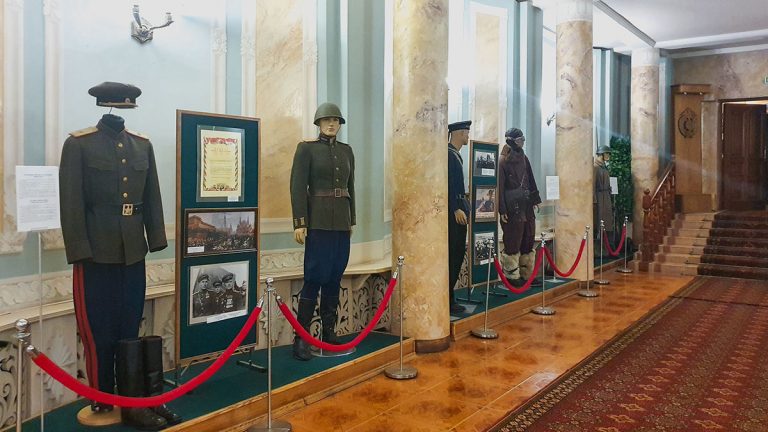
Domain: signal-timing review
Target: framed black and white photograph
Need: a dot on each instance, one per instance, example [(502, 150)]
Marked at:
[(220, 231), (218, 292), (485, 203), (484, 164), (484, 244)]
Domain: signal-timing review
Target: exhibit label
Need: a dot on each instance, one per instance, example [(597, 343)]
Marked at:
[(37, 198)]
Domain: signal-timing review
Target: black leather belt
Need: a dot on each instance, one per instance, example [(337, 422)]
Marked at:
[(334, 193), (121, 209)]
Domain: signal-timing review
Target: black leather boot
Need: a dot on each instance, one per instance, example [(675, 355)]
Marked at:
[(153, 376), (329, 314), (305, 313), (130, 382)]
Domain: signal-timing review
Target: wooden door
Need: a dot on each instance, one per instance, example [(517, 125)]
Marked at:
[(744, 141)]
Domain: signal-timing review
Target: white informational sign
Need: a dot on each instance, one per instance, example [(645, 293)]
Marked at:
[(553, 187), (37, 198), (614, 185)]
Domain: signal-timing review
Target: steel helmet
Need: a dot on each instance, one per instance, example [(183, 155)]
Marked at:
[(603, 149), (327, 110)]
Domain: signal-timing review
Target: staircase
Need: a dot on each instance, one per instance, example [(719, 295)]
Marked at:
[(728, 244)]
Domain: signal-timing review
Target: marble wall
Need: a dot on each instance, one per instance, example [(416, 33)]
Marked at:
[(489, 76), (2, 107), (419, 229)]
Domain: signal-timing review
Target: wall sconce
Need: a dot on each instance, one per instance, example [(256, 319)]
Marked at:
[(141, 29)]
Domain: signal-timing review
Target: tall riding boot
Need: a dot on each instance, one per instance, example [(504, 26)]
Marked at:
[(130, 382), (305, 313), (511, 266), (527, 263), (153, 376), (328, 316)]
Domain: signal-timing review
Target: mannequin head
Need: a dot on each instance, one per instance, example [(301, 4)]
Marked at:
[(329, 126), (458, 134), (603, 153), (515, 138)]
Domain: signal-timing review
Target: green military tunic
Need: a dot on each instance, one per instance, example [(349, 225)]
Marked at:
[(323, 185), (110, 195)]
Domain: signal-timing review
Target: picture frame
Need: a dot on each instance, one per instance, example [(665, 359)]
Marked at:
[(485, 203), (480, 250), (220, 231), (220, 163), (218, 292), (483, 163)]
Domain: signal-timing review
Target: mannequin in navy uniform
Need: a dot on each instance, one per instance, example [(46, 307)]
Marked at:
[(458, 208), (323, 205), (110, 196)]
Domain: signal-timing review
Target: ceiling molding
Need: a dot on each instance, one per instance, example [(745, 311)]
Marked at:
[(714, 39), (715, 51), (619, 18)]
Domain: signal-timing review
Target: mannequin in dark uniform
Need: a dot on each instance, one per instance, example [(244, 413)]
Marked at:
[(518, 196), (110, 195), (458, 208), (603, 205), (323, 204)]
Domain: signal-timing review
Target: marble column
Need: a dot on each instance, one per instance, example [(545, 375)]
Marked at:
[(2, 104), (644, 114), (573, 154), (420, 168)]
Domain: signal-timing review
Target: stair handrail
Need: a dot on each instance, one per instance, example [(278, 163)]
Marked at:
[(658, 212)]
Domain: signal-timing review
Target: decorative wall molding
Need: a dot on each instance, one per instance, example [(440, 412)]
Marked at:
[(248, 59), (52, 239), (8, 371), (12, 106), (276, 225), (52, 67), (219, 60), (281, 261)]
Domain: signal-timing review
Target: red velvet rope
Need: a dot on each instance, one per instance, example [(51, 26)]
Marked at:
[(528, 283), (575, 263), (70, 382), (621, 243), (345, 346)]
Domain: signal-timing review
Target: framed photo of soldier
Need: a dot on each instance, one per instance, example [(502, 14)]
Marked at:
[(483, 247), (484, 163), (218, 292), (220, 231), (485, 203)]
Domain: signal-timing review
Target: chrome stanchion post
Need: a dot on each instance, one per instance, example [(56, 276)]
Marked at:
[(554, 258), (485, 332), (401, 372), (543, 309), (625, 269), (271, 424), (601, 281), (587, 292), (22, 341)]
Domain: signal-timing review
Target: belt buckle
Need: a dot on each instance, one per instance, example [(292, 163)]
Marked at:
[(127, 209), (337, 193)]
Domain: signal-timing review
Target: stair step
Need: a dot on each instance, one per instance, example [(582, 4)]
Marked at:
[(696, 217), (741, 224), (754, 242), (685, 250), (738, 233), (673, 258), (733, 251), (675, 269), (753, 216), (685, 241), (702, 233), (743, 261), (733, 271), (683, 224)]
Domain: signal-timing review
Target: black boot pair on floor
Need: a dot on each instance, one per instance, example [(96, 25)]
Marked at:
[(328, 316), (139, 374)]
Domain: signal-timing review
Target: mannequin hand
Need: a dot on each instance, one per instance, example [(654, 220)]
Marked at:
[(538, 210), (351, 230), (461, 218), (504, 219), (299, 234)]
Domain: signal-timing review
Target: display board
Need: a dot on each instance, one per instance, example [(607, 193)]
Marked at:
[(484, 203), (217, 230)]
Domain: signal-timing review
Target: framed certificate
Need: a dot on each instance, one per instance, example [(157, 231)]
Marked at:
[(220, 165)]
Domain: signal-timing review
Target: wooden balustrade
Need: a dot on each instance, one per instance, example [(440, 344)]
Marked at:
[(658, 212)]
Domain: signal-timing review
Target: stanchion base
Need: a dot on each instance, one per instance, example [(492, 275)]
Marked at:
[(484, 333), (543, 310), (601, 282), (250, 364), (323, 353), (86, 417), (588, 293), (277, 426), (555, 280), (398, 373), (625, 270)]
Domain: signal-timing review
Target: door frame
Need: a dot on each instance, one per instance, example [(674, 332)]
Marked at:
[(721, 145)]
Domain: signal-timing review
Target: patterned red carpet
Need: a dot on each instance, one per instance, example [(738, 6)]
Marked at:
[(695, 363), (737, 246)]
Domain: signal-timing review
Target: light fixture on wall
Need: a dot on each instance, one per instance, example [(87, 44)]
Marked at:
[(141, 29), (551, 118)]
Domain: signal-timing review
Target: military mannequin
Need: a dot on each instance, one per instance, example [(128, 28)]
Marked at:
[(323, 204), (603, 205), (518, 196), (458, 208), (110, 196)]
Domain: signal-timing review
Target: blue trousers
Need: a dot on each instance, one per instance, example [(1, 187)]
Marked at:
[(109, 302), (326, 254)]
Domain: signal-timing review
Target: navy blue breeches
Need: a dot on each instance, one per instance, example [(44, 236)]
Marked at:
[(109, 302), (326, 255)]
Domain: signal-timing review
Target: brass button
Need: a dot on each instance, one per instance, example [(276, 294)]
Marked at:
[(120, 145), (337, 180), (125, 194), (337, 168), (123, 161), (125, 179)]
